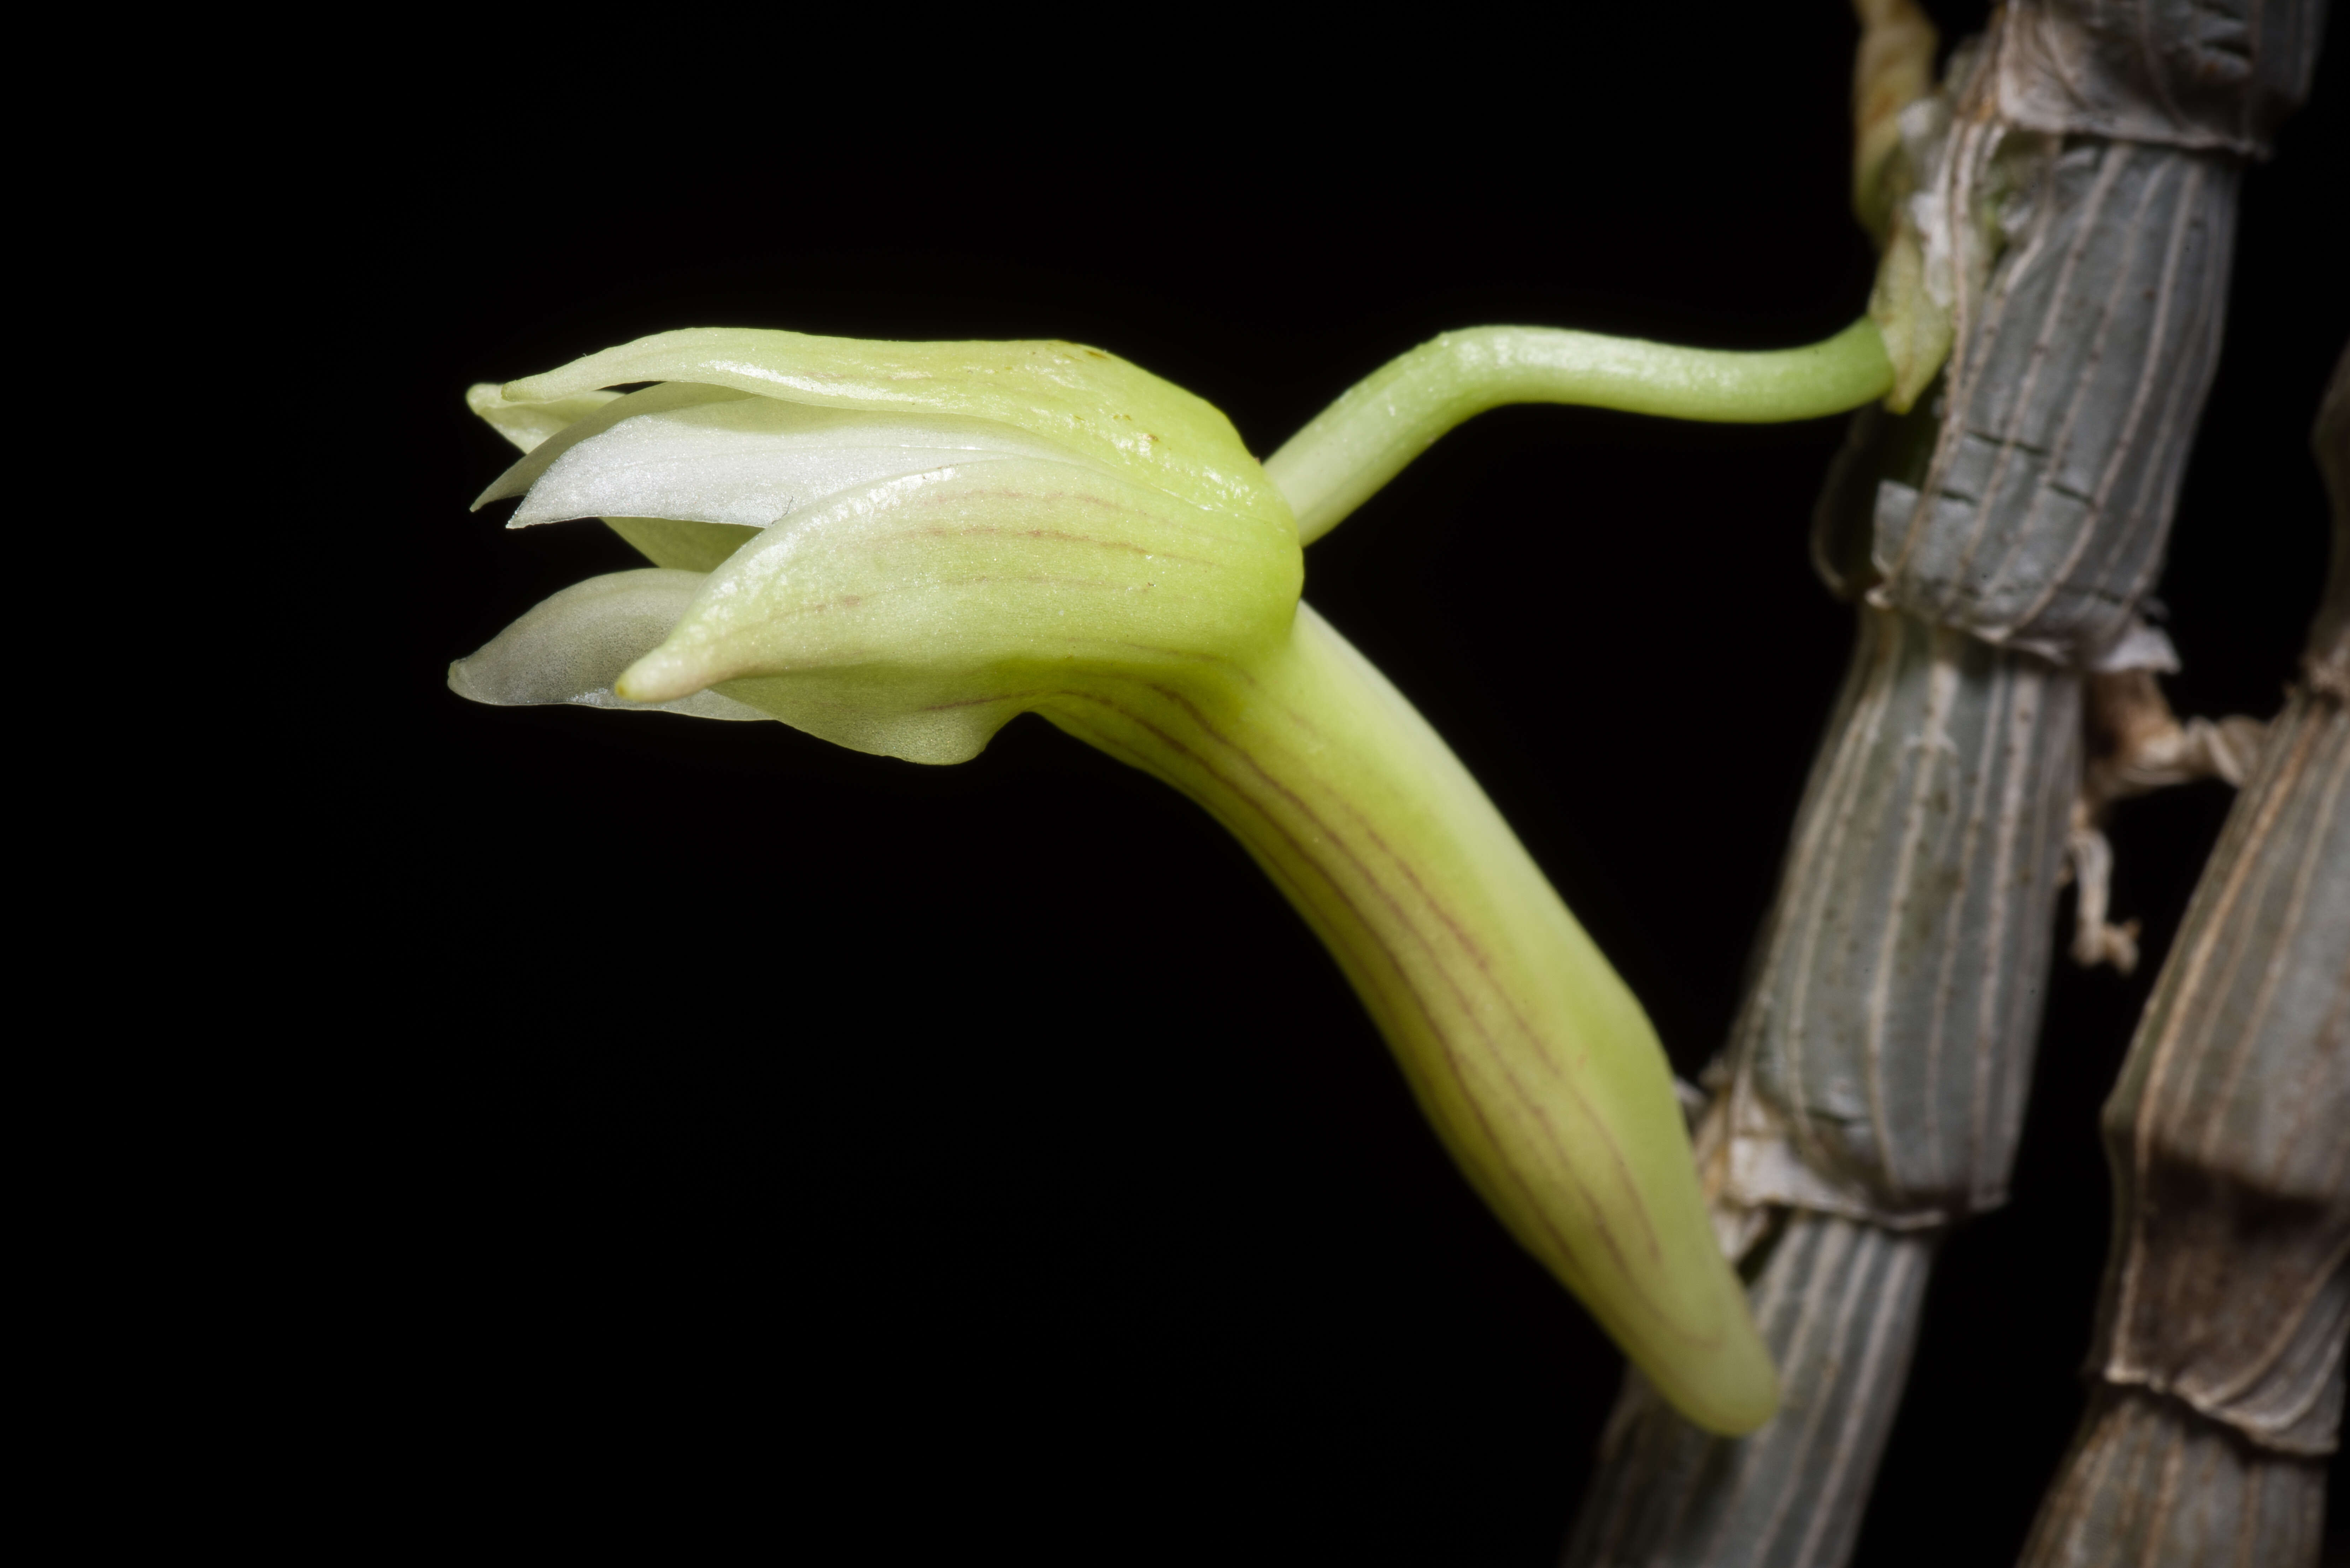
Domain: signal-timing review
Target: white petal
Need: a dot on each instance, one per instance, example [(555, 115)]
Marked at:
[(572, 647), (749, 461), (542, 450)]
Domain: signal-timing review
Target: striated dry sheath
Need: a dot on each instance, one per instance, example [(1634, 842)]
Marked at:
[(2042, 518), (2226, 1305), (2229, 1129), (2222, 1328), (1885, 1045), (2150, 1486)]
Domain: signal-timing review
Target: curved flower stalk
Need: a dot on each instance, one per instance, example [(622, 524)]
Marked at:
[(1374, 430), (899, 547)]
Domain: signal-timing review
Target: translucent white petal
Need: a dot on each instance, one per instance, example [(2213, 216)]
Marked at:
[(721, 457), (582, 420), (663, 541), (572, 647)]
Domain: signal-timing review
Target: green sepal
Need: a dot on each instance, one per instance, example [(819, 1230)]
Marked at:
[(915, 618)]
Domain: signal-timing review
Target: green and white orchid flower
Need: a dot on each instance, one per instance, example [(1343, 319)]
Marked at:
[(900, 546)]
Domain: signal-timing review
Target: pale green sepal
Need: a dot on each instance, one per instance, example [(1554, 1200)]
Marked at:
[(527, 424), (1531, 1058), (967, 591), (1111, 411), (571, 647)]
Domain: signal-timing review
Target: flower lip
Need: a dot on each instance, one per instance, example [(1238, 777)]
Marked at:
[(573, 648)]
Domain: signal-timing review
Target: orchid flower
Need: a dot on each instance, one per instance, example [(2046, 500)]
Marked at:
[(900, 546)]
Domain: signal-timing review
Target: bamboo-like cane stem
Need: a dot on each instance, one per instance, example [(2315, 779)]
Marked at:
[(2221, 1333)]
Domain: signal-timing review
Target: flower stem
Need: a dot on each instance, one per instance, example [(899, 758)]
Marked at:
[(1530, 1057), (1380, 424)]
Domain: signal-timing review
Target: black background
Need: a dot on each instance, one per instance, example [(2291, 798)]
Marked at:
[(815, 1148)]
